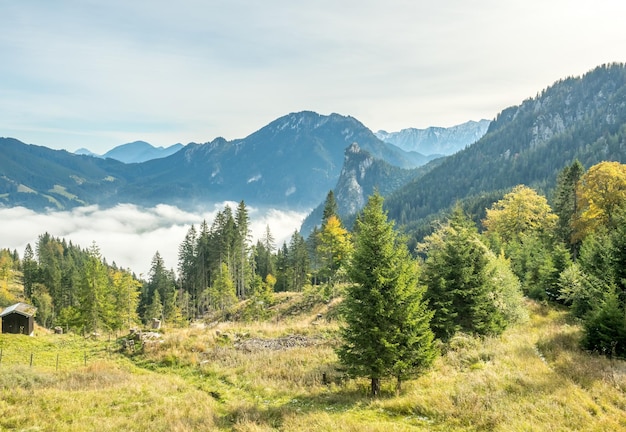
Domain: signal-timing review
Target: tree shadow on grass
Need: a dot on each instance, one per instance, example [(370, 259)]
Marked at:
[(333, 398)]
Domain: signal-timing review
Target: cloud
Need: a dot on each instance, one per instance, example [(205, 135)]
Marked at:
[(81, 74), (130, 235)]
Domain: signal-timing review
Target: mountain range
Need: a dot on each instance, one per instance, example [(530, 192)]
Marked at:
[(290, 163), (135, 152), (294, 161), (437, 140)]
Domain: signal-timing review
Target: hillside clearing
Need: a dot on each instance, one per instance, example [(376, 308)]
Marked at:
[(283, 375)]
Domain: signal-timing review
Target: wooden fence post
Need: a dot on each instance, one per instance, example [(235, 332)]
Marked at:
[(31, 359)]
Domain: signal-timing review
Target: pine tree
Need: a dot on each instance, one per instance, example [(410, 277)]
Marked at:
[(299, 261), (29, 270), (605, 326), (155, 308), (460, 287), (330, 207), (242, 246), (566, 204), (387, 330), (95, 300), (162, 281), (188, 269), (223, 292)]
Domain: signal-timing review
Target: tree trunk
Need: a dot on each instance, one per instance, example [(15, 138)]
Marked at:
[(375, 386), (398, 386)]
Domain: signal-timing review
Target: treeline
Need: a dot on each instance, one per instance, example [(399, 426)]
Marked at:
[(472, 274), (76, 289), (218, 266)]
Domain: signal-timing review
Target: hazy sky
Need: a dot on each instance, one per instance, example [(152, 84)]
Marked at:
[(96, 74)]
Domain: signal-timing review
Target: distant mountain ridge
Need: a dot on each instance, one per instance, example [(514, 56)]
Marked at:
[(135, 152), (437, 140), (290, 163), (295, 160)]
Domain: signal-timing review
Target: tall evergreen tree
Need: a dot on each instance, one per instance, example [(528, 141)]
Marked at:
[(29, 266), (187, 268), (161, 280), (330, 207), (223, 292), (460, 287), (605, 326), (96, 307), (387, 330), (264, 254), (203, 258), (566, 204), (242, 246), (299, 261)]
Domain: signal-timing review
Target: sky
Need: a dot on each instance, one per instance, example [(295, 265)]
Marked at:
[(97, 74)]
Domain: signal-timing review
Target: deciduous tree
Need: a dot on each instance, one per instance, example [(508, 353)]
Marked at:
[(601, 192), (522, 211)]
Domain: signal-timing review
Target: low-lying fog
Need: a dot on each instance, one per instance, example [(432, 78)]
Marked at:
[(130, 235)]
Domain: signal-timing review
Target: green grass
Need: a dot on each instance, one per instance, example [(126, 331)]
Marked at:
[(247, 377)]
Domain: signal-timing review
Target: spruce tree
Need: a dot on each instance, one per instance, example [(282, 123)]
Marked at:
[(387, 331), (565, 203), (29, 270), (605, 326), (460, 290), (330, 207)]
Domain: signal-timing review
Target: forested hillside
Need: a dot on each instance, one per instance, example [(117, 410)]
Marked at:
[(583, 118)]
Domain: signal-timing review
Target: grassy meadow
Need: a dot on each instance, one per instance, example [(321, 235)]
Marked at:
[(282, 374)]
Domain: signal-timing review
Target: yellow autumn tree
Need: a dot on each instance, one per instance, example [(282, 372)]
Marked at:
[(601, 192), (334, 246), (521, 211)]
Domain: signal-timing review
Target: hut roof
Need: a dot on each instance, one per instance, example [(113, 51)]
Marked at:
[(21, 308)]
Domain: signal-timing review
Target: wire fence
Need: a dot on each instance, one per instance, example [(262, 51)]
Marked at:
[(55, 359)]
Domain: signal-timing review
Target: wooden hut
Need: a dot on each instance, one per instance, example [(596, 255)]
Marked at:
[(18, 319)]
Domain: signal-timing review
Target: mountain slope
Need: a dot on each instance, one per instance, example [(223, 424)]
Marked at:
[(38, 177), (437, 140), (360, 176), (582, 118), (292, 162)]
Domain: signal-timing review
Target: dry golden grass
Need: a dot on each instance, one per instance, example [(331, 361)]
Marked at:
[(268, 376)]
